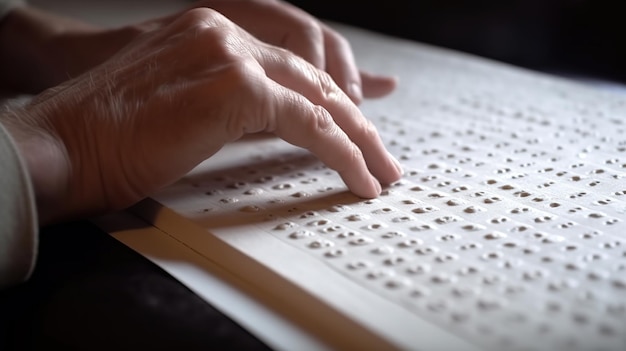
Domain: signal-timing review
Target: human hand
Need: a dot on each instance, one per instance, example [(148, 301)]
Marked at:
[(282, 24), (71, 47), (170, 100)]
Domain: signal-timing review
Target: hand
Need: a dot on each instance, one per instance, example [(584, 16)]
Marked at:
[(170, 100), (71, 47), (284, 25)]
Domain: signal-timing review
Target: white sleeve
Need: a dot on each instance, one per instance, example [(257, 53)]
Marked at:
[(18, 216)]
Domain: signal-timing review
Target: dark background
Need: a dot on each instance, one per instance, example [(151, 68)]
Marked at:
[(90, 292), (566, 36)]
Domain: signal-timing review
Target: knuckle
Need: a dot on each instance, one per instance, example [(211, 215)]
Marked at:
[(369, 130), (323, 122), (327, 86), (308, 29), (200, 16)]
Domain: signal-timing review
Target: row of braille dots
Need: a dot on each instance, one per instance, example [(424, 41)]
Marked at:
[(501, 144), (356, 239), (481, 304), (508, 171), (538, 196), (510, 322), (608, 245), (273, 183), (554, 204), (551, 205)]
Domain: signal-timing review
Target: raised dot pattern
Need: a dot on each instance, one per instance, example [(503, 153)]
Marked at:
[(507, 227)]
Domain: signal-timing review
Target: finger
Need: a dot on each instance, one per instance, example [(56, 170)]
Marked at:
[(340, 64), (319, 88), (308, 44), (375, 86), (296, 120)]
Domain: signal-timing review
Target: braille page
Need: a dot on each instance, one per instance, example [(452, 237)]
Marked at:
[(506, 231)]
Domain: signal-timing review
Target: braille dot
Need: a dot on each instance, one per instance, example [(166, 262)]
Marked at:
[(331, 229), (445, 258), (383, 250), (473, 209), (250, 208), (283, 186), (426, 250), (300, 234), (357, 217), (446, 219), (492, 280), (253, 191), (301, 194), (338, 208), (213, 192), (473, 227), (318, 223), (358, 265), (421, 228), (495, 236), (425, 209), (402, 219), (442, 278), (410, 242), (492, 200), (419, 293), (360, 241), (470, 246), (394, 261), (397, 283), (394, 234), (378, 274), (336, 253), (374, 226), (383, 210), (348, 234), (499, 220), (320, 243), (419, 268)]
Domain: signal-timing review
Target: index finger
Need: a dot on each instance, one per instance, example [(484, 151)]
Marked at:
[(299, 122), (319, 88)]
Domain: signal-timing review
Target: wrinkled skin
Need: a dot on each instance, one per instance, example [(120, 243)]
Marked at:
[(185, 86)]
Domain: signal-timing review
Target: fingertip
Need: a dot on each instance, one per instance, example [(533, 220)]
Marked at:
[(376, 185), (389, 171), (374, 86), (372, 191), (396, 164)]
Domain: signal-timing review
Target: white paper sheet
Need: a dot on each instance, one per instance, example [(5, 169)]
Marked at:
[(506, 231)]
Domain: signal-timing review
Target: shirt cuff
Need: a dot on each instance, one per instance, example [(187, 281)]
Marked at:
[(18, 216)]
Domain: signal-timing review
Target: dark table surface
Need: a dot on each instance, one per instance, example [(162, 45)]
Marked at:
[(91, 292)]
